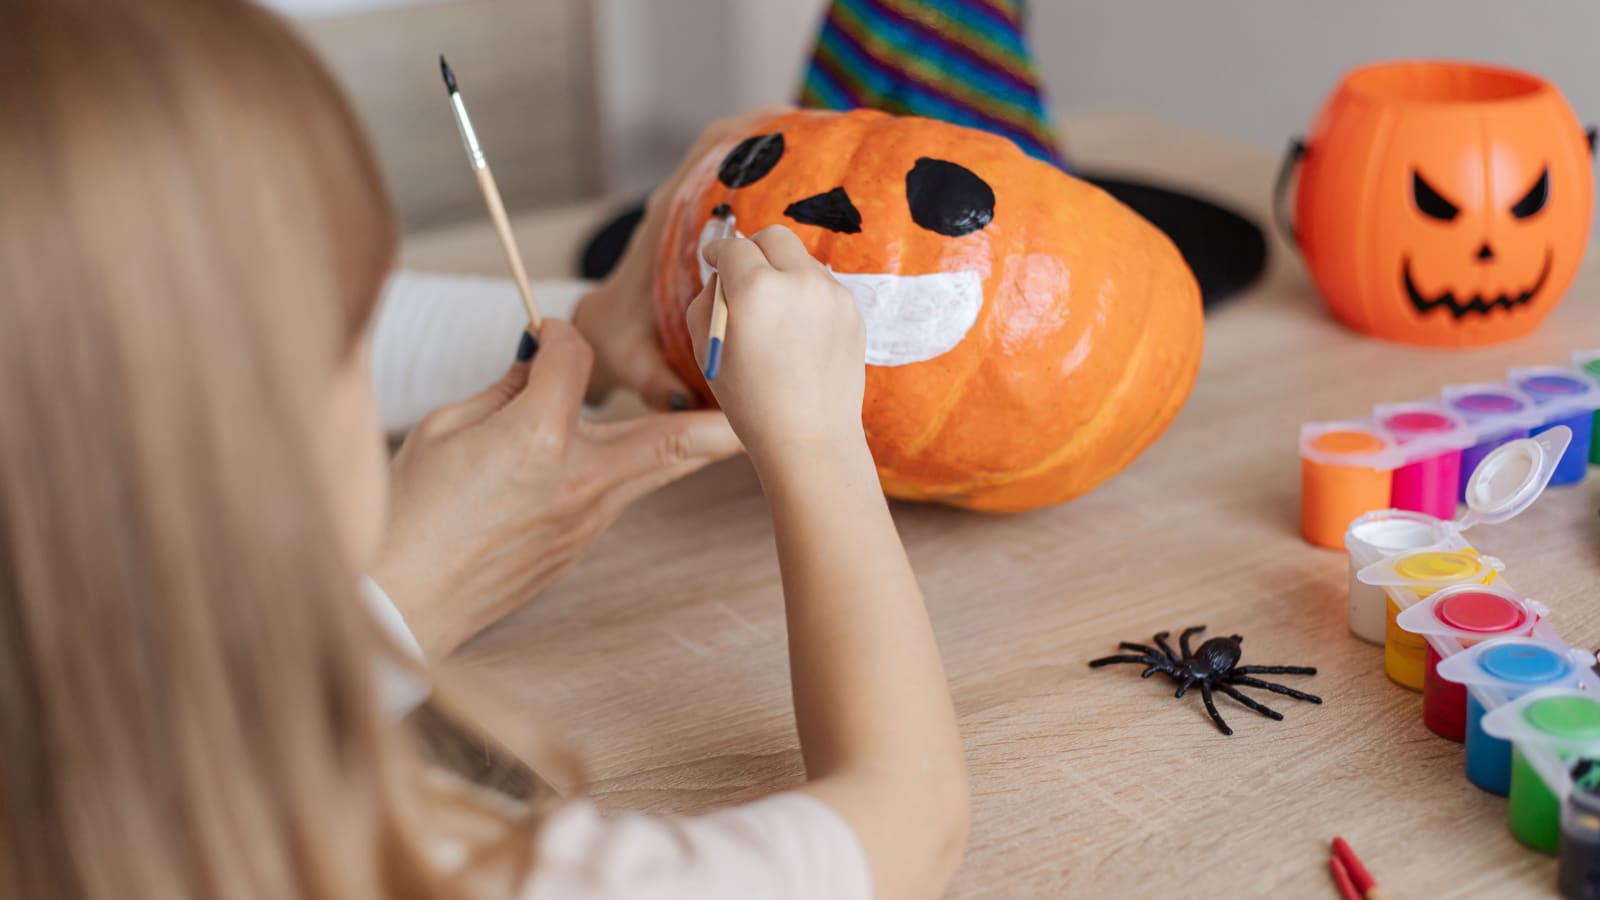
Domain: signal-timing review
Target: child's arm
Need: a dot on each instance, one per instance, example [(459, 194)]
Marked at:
[(876, 724)]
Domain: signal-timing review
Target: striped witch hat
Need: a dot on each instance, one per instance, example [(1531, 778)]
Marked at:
[(967, 62)]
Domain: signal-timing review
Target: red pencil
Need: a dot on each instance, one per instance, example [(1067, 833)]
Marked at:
[(1364, 882), (1341, 877)]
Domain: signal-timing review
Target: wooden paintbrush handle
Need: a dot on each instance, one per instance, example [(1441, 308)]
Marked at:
[(502, 225)]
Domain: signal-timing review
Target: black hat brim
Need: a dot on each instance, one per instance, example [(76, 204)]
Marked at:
[(1226, 251)]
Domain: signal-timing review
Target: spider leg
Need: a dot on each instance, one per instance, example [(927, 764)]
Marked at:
[(1137, 648), (1161, 641), (1275, 670), (1184, 688), (1261, 708), (1183, 639), (1211, 709), (1120, 658), (1247, 681)]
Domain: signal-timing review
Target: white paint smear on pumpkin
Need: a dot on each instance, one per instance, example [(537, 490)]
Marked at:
[(909, 318)]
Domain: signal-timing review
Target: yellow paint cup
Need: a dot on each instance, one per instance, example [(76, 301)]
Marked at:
[(1411, 577)]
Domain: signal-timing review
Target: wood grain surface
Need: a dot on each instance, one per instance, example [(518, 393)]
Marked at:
[(662, 657)]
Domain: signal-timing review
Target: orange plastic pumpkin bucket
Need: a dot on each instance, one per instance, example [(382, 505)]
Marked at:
[(1445, 204)]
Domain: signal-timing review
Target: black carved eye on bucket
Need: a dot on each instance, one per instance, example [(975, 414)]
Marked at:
[(1535, 199), (948, 199), (750, 162), (1429, 201)]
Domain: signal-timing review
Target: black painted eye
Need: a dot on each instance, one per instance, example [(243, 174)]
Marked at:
[(1429, 201), (750, 162), (832, 210), (948, 199), (1536, 197)]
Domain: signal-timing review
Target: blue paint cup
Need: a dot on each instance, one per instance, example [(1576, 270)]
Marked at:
[(1496, 413), (1499, 671), (1563, 397)]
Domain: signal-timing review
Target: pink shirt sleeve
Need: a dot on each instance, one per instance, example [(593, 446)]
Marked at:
[(785, 847)]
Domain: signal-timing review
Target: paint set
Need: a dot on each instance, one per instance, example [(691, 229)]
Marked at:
[(1418, 457), (1494, 675)]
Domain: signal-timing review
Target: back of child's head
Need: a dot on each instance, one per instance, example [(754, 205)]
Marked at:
[(192, 235)]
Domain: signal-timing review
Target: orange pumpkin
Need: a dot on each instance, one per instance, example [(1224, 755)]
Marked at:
[(1028, 336), (1444, 204)]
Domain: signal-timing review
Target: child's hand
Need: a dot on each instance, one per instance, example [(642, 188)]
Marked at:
[(794, 361), (618, 318)]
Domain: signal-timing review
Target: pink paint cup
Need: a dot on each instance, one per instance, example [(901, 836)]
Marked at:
[(1431, 437)]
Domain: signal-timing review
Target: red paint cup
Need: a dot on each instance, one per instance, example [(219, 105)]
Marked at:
[(1456, 618)]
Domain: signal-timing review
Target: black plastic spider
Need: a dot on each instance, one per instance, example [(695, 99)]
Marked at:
[(1215, 666)]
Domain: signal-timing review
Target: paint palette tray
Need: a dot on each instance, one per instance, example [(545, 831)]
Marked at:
[(1405, 456), (1455, 630)]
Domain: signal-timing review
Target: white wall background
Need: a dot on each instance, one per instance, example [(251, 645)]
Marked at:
[(1255, 70)]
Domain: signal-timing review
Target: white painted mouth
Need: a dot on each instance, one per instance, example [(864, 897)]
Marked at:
[(909, 318)]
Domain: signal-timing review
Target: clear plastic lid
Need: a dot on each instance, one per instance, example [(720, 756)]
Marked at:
[(1519, 664), (1425, 429), (1473, 612), (1356, 443), (1564, 718), (1558, 392), (1492, 409), (1433, 569), (1511, 477)]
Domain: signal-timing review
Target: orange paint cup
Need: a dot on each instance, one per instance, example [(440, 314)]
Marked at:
[(1346, 471)]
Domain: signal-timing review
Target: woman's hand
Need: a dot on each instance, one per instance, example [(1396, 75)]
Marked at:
[(618, 318), (794, 363), (495, 497)]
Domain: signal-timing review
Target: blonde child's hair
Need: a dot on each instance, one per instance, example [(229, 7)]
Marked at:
[(193, 233)]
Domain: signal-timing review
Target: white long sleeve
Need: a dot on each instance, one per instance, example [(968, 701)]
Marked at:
[(439, 339)]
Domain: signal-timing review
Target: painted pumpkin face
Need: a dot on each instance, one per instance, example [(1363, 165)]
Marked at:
[(1468, 223), (1027, 335)]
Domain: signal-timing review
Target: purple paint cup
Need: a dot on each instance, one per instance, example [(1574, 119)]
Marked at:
[(1498, 414), (1563, 397)]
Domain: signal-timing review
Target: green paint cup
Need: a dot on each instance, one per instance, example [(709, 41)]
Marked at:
[(1534, 813), (1588, 362), (1556, 724)]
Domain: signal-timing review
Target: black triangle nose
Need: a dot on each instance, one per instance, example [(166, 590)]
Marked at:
[(831, 210), (1485, 254)]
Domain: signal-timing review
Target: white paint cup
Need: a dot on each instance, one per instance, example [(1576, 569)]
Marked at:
[(1382, 534)]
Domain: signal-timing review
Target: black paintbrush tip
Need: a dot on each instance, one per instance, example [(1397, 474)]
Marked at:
[(449, 76)]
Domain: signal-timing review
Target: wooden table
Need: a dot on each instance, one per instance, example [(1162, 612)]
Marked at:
[(662, 657)]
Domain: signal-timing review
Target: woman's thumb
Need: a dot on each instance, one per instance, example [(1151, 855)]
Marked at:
[(657, 384)]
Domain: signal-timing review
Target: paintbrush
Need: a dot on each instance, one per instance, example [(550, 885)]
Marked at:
[(718, 331), (491, 196), (719, 304)]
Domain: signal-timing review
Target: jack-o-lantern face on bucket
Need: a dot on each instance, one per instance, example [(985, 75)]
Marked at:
[(1445, 204), (1027, 335)]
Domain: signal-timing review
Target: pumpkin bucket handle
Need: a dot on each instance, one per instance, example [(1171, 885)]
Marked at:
[(1280, 191)]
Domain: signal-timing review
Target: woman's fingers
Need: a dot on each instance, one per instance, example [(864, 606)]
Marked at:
[(479, 406), (557, 378), (643, 454), (641, 367)]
